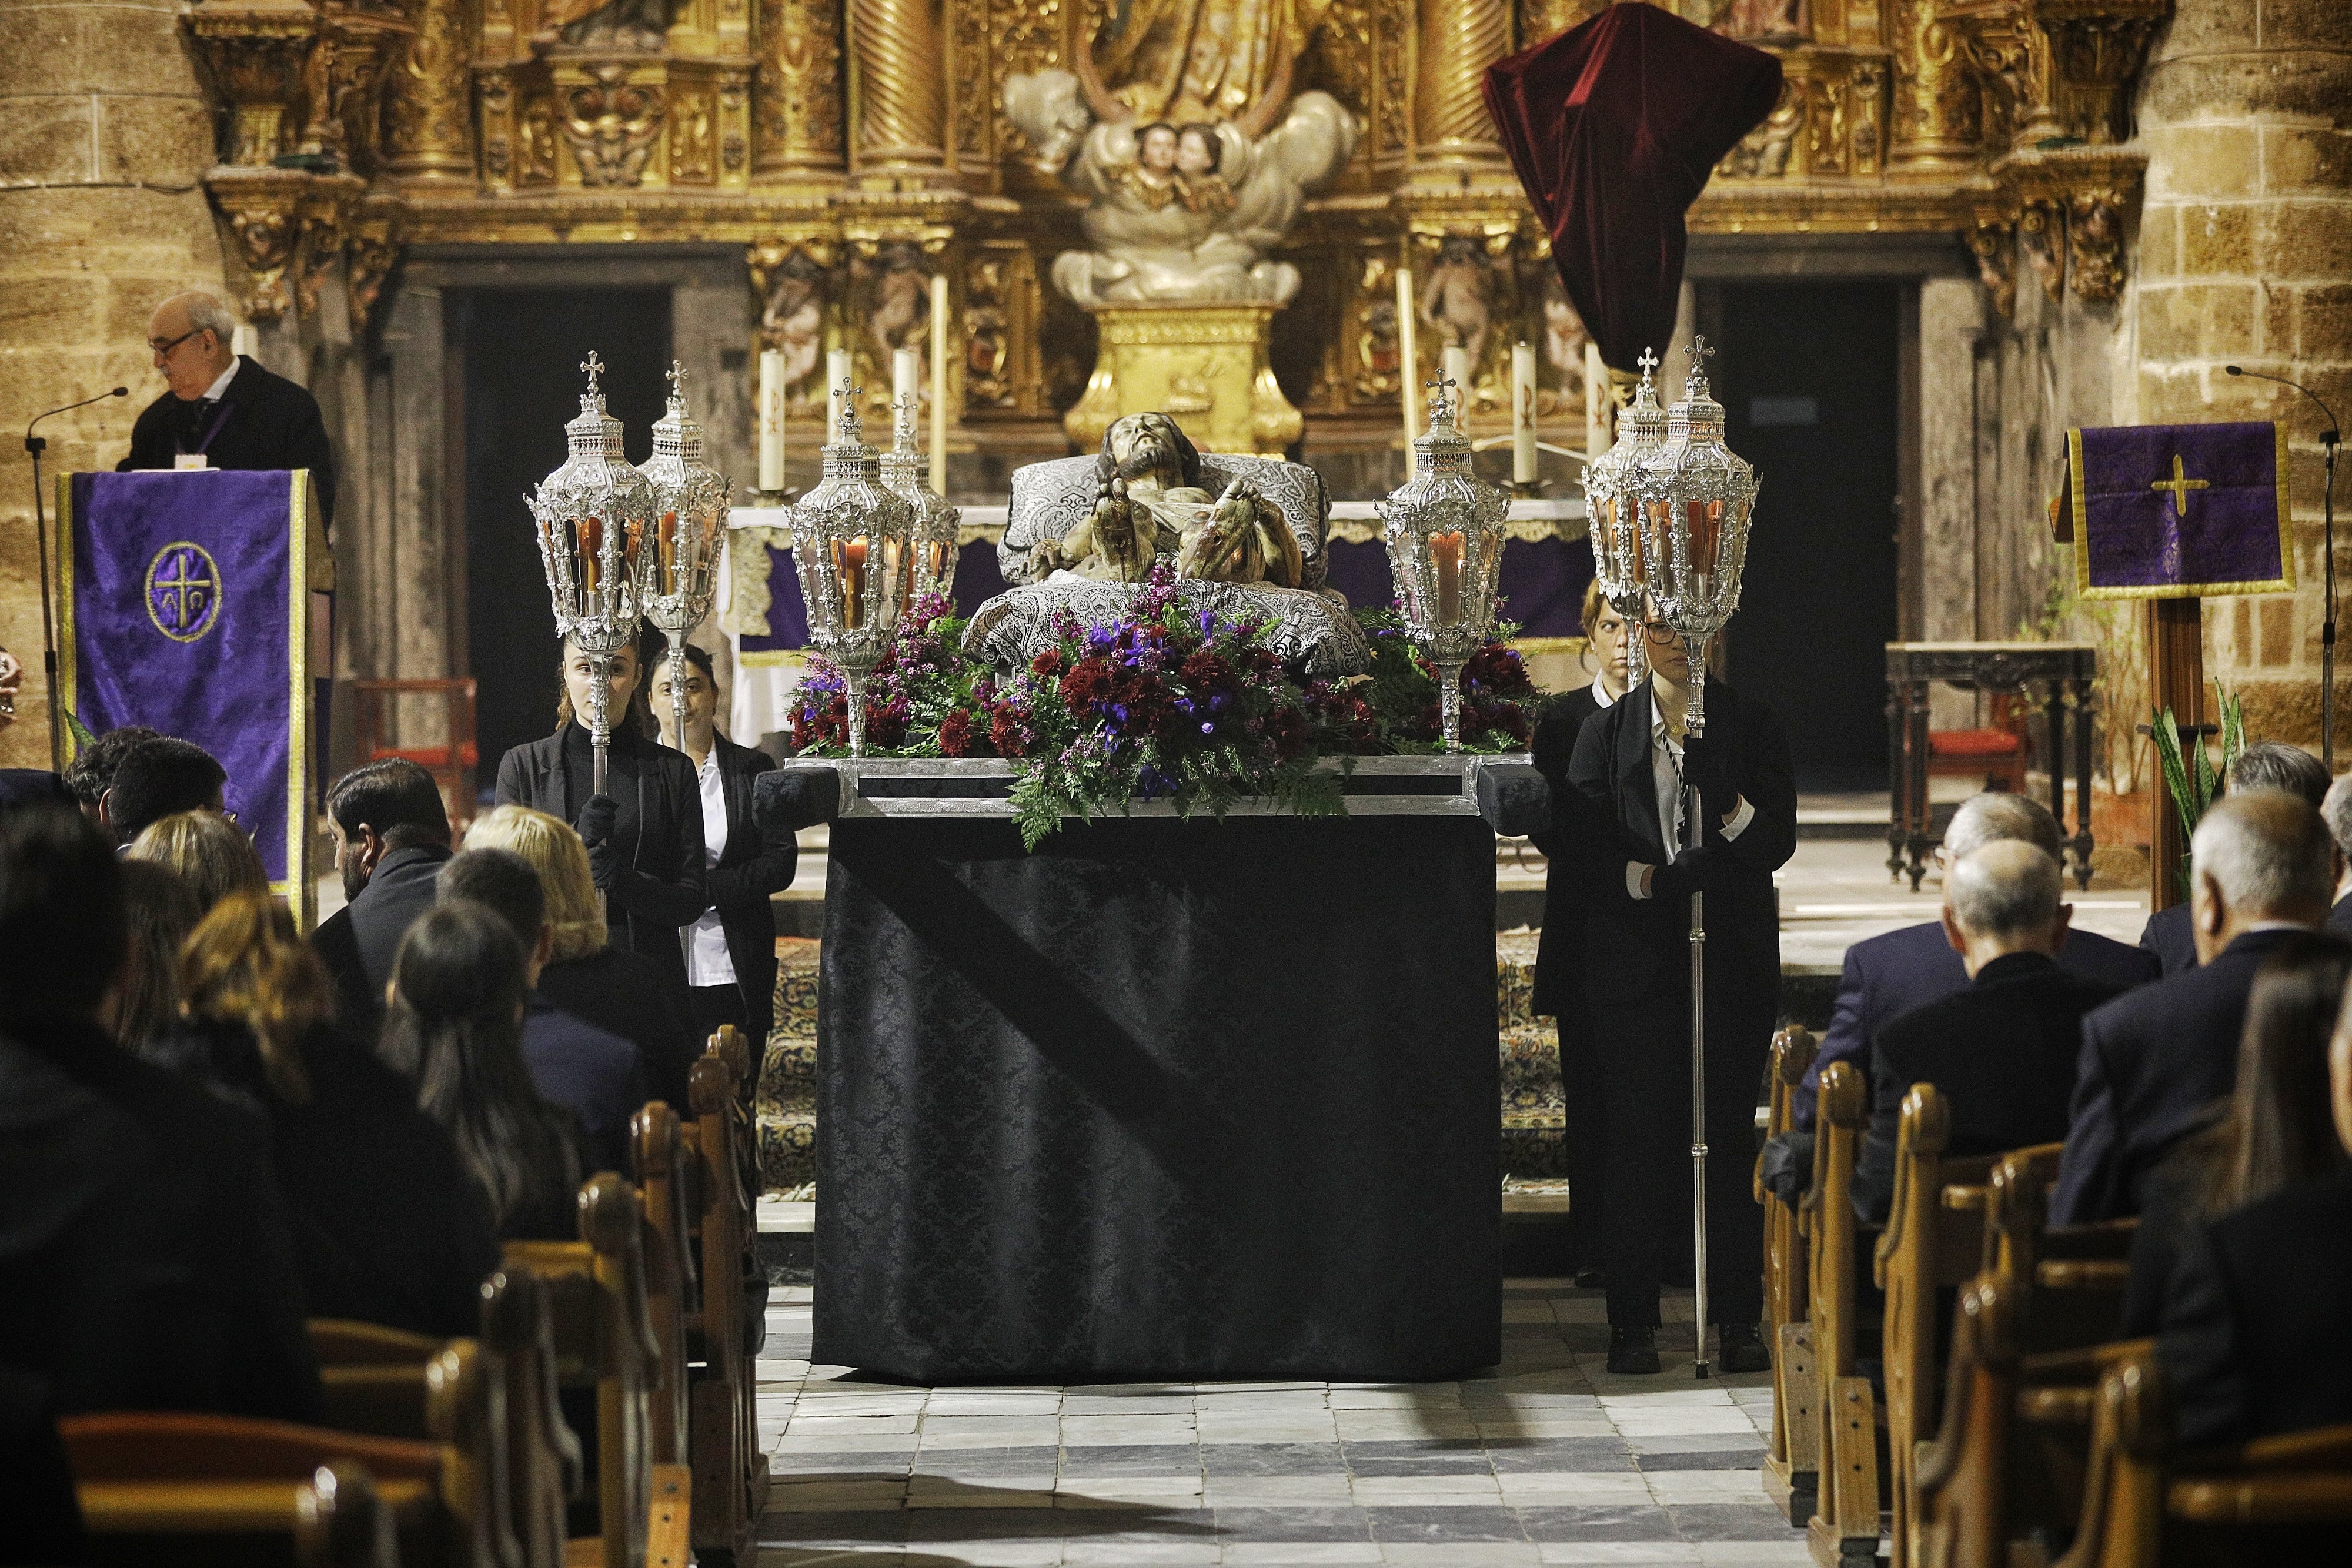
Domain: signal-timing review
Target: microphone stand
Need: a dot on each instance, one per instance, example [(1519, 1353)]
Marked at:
[(36, 446), (2329, 438)]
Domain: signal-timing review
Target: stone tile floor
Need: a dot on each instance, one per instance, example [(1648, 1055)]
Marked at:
[(1545, 1458)]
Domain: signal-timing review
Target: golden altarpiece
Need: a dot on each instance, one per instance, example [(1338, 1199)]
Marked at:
[(853, 149)]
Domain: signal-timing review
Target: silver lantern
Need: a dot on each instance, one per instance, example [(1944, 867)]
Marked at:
[(1444, 533), (853, 545), (1610, 513), (938, 524), (689, 521), (595, 517)]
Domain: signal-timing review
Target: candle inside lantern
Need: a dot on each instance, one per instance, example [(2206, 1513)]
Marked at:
[(665, 540), (771, 419), (940, 383), (1706, 534), (1408, 363), (850, 561), (1523, 414), (1445, 558), (836, 377), (591, 531)]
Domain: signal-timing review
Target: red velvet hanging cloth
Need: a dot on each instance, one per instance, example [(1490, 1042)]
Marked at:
[(1613, 127)]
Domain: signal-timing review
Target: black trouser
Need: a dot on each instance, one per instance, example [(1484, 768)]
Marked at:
[(709, 1007), (1642, 1052), (1586, 1135)]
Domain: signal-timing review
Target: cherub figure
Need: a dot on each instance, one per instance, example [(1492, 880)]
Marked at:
[(1150, 179), (1198, 186)]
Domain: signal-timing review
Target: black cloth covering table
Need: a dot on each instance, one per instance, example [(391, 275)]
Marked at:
[(1161, 1101)]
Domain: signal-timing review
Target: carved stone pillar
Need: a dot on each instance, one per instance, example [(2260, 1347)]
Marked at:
[(1451, 132), (426, 132), (796, 111), (900, 61), (1937, 110)]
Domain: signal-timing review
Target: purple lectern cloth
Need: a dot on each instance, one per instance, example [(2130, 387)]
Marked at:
[(1542, 587), (181, 615), (977, 580), (2178, 511)]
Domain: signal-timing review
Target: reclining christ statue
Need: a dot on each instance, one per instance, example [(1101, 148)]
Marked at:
[(1149, 502)]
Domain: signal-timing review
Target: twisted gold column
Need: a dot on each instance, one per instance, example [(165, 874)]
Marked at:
[(1459, 39), (900, 61)]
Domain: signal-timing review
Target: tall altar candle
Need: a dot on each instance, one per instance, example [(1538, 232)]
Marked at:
[(836, 378), (1598, 431), (1457, 362), (906, 372), (771, 419), (940, 383), (1408, 363), (1523, 414)]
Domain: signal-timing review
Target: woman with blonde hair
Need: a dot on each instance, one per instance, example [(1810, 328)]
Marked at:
[(210, 855), (162, 913), (623, 992), (387, 1228)]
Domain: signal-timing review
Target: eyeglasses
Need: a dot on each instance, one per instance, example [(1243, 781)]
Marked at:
[(1658, 632), (163, 346)]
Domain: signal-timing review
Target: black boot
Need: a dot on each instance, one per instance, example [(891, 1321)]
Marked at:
[(1591, 1278), (1632, 1350), (1743, 1349)]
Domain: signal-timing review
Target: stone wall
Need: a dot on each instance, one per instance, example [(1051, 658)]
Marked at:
[(104, 133)]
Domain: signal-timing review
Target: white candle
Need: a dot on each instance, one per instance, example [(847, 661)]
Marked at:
[(940, 383), (836, 382), (1523, 414), (240, 338), (1457, 371), (1597, 430), (771, 419), (1408, 363), (905, 375)]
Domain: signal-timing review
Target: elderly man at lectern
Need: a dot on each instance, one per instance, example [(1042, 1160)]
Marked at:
[(221, 408)]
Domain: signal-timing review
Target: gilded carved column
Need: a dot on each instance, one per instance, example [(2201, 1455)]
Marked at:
[(425, 123), (900, 61), (796, 93), (1459, 39), (1938, 115)]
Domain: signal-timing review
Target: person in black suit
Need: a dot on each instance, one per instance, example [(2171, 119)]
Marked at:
[(2153, 1060), (644, 834), (224, 406), (2001, 1053), (2264, 765), (146, 1263), (1637, 771), (392, 836), (1559, 993), (1887, 975), (731, 950)]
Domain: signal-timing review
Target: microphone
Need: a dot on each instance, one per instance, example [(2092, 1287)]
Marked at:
[(36, 444)]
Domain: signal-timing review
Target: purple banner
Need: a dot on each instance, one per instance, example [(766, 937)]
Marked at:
[(184, 609), (2178, 511), (1542, 584)]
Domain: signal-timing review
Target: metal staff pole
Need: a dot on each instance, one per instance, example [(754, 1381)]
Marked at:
[(1694, 834)]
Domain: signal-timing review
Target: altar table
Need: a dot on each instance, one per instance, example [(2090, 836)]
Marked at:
[(1161, 1101)]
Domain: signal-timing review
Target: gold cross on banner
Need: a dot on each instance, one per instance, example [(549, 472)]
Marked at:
[(2179, 484)]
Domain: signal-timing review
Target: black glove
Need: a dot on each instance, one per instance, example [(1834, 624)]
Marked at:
[(597, 818), (602, 864), (1786, 1168), (1706, 768), (1693, 871)]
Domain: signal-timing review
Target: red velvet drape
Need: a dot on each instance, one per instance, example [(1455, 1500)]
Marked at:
[(1613, 127)]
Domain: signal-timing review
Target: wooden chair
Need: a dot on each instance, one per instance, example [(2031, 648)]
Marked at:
[(1933, 1241), (730, 1473), (374, 1376), (2277, 1499), (451, 760), (1843, 1528), (1793, 1461)]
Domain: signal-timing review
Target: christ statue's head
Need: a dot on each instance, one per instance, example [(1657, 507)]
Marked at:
[(1149, 445)]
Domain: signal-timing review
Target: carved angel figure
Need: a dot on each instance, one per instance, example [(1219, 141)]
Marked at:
[(642, 25)]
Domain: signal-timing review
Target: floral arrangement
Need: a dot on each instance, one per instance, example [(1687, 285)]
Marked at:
[(1165, 703)]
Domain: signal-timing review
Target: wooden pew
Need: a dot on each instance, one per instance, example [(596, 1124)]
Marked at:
[(672, 1288), (1933, 1241), (730, 1473), (1793, 1461), (1843, 1528), (374, 1376)]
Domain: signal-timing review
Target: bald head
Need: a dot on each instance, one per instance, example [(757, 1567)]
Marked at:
[(2258, 855), (190, 336), (2003, 898), (1994, 816)]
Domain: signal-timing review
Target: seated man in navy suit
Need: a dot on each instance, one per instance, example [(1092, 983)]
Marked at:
[(2264, 765)]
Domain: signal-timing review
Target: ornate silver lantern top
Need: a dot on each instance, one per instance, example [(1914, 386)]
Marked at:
[(938, 524), (853, 540), (1609, 509), (1443, 527), (690, 506)]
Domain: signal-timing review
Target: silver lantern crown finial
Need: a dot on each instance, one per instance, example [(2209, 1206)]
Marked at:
[(938, 524), (1612, 513), (1443, 529), (690, 506), (852, 547)]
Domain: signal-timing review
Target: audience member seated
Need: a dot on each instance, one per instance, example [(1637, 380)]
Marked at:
[(92, 772), (387, 1228), (454, 1028), (1886, 977), (2275, 1130), (210, 855), (145, 1258), (392, 836), (44, 1511), (2252, 1341), (2260, 867), (2264, 765), (157, 778), (591, 1071), (2335, 811), (162, 912), (2002, 1050), (623, 992)]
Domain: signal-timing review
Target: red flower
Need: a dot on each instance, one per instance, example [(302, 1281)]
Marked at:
[(1005, 734), (1289, 726), (1206, 672), (1089, 681), (956, 736), (1048, 662)]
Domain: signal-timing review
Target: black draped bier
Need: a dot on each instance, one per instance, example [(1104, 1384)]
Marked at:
[(1162, 1100)]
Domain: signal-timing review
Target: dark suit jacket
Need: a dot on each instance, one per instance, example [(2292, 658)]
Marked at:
[(30, 786), (146, 1263), (2001, 1052), (631, 996), (359, 941), (271, 422), (388, 1226), (758, 861), (658, 885), (590, 1072), (2151, 1061), (2254, 1340), (1889, 975), (1566, 845), (2173, 939)]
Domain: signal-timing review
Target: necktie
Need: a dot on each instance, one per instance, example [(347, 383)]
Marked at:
[(194, 416)]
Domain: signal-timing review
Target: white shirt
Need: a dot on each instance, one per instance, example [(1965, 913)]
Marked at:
[(706, 963), (1600, 696), (1667, 778), (227, 376)]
